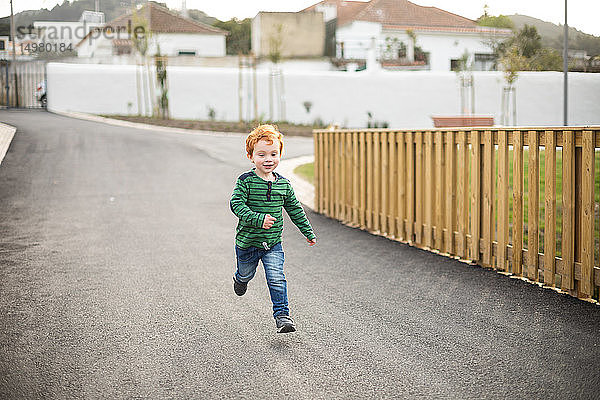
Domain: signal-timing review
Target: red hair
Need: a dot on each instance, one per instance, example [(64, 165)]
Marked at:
[(263, 132)]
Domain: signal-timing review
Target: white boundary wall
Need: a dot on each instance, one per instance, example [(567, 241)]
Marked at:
[(406, 100)]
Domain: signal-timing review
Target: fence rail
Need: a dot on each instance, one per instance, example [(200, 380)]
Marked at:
[(473, 194)]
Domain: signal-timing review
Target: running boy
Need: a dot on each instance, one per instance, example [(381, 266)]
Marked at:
[(257, 199)]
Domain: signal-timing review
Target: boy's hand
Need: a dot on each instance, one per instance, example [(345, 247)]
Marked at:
[(312, 242), (268, 222)]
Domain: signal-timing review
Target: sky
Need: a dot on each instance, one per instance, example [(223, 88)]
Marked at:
[(582, 14)]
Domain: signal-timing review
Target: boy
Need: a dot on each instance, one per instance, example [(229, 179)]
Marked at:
[(257, 199)]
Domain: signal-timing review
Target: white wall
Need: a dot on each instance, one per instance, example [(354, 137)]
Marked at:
[(204, 45), (100, 46), (404, 99), (92, 88), (356, 37)]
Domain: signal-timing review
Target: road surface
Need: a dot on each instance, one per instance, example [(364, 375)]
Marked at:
[(116, 257)]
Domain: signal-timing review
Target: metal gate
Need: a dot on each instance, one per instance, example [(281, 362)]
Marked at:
[(19, 83)]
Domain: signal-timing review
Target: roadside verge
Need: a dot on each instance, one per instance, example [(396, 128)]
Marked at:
[(305, 191), (138, 125), (7, 132)]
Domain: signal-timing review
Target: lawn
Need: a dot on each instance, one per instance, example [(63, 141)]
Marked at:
[(306, 171)]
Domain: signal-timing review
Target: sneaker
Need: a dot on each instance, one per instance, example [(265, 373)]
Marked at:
[(285, 324), (239, 287)]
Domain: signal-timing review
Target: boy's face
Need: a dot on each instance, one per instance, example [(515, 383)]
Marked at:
[(266, 156)]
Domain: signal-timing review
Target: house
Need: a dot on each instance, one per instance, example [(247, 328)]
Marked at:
[(4, 46), (169, 32), (288, 33), (22, 50), (64, 34), (405, 34)]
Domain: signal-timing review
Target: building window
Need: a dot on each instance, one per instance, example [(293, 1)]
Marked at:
[(455, 65), (2, 45), (484, 62)]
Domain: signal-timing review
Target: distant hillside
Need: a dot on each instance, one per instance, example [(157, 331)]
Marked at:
[(552, 35), (72, 11)]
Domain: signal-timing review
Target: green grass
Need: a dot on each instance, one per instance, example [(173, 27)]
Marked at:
[(542, 204), (306, 171)]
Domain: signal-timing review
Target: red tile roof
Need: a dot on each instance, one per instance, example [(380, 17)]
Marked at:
[(346, 10), (163, 20), (402, 14)]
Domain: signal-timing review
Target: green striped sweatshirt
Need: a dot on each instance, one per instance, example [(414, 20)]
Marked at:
[(253, 198)]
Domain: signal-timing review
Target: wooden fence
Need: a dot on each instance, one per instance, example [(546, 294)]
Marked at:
[(454, 192), (22, 83)]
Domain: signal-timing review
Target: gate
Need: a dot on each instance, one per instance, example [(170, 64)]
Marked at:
[(18, 85)]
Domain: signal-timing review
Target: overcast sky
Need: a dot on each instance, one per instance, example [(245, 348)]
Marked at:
[(583, 14)]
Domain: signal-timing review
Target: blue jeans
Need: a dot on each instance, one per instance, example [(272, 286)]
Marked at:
[(272, 260)]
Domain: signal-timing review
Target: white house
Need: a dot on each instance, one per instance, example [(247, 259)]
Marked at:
[(67, 33), (409, 35), (172, 33), (4, 46)]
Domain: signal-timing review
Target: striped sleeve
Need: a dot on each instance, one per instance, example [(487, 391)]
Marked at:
[(238, 206), (297, 215)]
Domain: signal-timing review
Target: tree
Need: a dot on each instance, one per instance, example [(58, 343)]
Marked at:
[(512, 62), (238, 40), (527, 45), (527, 41), (141, 31), (501, 21), (276, 44), (546, 59)]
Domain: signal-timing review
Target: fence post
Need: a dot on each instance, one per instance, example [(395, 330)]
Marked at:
[(363, 181), (587, 214), (503, 178), (550, 207), (369, 174), (418, 188), (439, 191), (450, 192), (534, 207), (392, 208), (402, 185), (463, 193), (428, 176), (383, 177), (410, 188), (475, 194), (568, 200), (355, 180), (487, 198), (376, 181)]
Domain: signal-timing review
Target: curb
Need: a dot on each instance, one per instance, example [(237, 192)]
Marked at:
[(7, 133), (305, 191), (138, 125)]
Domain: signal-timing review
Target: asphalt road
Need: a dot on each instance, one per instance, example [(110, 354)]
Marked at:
[(116, 257)]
